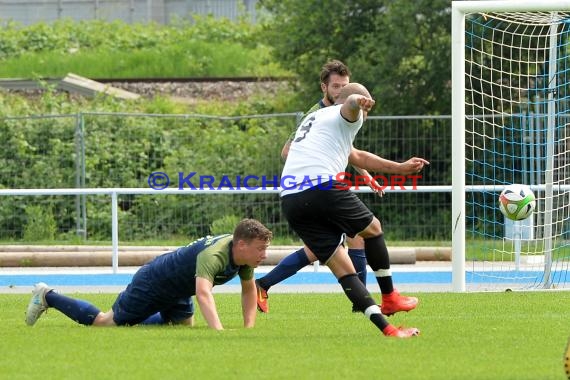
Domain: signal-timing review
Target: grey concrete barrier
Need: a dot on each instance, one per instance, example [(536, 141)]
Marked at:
[(94, 256)]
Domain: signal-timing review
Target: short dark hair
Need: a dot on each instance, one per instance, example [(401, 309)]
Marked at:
[(250, 229), (333, 67)]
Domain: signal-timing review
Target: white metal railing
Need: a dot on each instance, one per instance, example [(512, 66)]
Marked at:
[(115, 192)]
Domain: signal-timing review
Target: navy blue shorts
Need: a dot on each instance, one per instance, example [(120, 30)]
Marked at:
[(321, 217), (139, 301)]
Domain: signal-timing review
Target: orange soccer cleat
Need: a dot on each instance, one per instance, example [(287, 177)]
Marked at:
[(262, 302), (394, 302), (401, 332)]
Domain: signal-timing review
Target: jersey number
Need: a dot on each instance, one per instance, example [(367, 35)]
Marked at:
[(306, 127)]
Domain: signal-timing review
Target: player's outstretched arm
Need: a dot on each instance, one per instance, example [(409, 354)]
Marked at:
[(350, 109), (375, 186), (206, 302), (374, 163), (248, 302)]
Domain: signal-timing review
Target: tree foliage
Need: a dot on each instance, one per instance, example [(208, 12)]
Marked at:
[(122, 146), (399, 49)]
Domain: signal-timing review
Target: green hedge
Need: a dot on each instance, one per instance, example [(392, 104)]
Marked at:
[(203, 46), (122, 150)]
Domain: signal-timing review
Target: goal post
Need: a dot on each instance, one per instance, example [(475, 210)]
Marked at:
[(510, 116)]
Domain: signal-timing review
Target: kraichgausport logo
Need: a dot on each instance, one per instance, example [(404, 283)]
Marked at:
[(341, 181)]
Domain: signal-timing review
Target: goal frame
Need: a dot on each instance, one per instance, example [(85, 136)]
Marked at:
[(458, 11)]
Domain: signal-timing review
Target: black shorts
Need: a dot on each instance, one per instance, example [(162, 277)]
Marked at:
[(321, 217)]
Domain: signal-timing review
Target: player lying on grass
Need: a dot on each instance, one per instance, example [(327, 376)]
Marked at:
[(161, 291)]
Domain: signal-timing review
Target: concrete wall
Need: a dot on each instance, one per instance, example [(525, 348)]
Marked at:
[(27, 12)]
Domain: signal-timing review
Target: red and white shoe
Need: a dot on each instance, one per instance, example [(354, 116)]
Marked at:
[(401, 332), (394, 302)]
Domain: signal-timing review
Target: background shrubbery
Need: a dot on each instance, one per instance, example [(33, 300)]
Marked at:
[(121, 149), (204, 47)]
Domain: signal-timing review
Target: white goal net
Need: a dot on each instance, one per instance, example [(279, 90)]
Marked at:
[(511, 125)]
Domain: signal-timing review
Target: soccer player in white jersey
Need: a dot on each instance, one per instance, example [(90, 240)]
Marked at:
[(322, 210), (334, 76)]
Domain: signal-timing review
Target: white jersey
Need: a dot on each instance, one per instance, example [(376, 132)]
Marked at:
[(319, 151)]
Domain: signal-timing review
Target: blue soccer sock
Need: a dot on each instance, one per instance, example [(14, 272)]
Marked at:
[(285, 269), (358, 258), (80, 311), (155, 319)]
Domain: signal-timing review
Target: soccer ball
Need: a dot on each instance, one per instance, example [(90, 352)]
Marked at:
[(517, 202)]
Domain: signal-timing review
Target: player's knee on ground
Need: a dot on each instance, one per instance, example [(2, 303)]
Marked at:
[(187, 322), (105, 319)]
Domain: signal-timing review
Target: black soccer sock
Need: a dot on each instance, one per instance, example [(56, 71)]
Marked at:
[(379, 260), (361, 298)]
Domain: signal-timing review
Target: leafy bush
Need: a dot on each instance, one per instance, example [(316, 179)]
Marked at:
[(224, 225), (122, 147), (40, 224), (204, 46)]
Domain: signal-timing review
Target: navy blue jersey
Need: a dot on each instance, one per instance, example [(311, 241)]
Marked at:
[(173, 274)]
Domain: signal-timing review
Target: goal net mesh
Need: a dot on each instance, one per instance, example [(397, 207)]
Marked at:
[(517, 132)]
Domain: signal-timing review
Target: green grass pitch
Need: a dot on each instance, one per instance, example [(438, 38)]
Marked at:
[(514, 335)]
